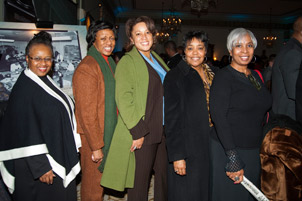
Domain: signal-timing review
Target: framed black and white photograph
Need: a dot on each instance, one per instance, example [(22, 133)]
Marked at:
[(66, 53)]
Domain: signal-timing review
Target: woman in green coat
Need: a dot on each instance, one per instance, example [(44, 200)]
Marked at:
[(138, 144)]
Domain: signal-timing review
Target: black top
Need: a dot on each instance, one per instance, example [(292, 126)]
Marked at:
[(238, 108)]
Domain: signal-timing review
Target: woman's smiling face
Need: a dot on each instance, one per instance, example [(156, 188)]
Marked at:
[(195, 52), (105, 41), (39, 59), (142, 38), (242, 52)]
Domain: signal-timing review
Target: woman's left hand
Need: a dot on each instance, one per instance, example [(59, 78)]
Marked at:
[(47, 177), (237, 177)]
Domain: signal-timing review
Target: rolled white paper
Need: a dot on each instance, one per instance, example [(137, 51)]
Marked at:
[(253, 189)]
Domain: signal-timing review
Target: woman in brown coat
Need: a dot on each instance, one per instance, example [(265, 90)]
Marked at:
[(96, 114)]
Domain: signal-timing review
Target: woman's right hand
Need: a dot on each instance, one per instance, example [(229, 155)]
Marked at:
[(97, 156), (237, 177), (47, 177), (180, 167), (137, 144)]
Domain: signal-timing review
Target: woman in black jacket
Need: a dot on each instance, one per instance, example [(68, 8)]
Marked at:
[(38, 139), (238, 103), (187, 122)]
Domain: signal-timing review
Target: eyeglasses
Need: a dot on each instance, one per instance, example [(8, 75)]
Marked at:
[(39, 60)]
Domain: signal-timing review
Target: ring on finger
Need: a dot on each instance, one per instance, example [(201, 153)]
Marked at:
[(236, 178), (134, 148)]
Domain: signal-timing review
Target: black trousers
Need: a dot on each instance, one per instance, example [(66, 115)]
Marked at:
[(148, 159)]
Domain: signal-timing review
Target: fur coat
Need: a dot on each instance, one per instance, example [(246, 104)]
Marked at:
[(281, 160)]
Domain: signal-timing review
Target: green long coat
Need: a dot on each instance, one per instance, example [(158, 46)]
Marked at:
[(132, 81)]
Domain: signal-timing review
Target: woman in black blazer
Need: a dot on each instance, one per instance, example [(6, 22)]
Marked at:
[(187, 122)]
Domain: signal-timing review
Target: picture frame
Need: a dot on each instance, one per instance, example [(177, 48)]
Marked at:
[(66, 54)]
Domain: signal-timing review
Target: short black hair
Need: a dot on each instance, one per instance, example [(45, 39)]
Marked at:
[(170, 45), (40, 38), (94, 28), (199, 35)]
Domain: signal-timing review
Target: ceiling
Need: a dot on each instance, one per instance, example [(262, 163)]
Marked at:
[(278, 14), (282, 11)]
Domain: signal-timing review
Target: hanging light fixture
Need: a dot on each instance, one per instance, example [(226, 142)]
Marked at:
[(172, 24), (162, 36), (269, 39), (201, 6)]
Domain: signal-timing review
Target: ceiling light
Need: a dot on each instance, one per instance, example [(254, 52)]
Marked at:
[(269, 39), (201, 6), (171, 24)]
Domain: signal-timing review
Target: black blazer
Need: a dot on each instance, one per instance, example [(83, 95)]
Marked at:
[(284, 77), (186, 113), (187, 133)]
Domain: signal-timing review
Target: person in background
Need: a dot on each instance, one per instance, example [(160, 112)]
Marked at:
[(171, 51), (225, 61), (299, 97), (118, 55), (138, 145), (180, 50), (239, 101), (267, 73), (264, 58), (285, 73), (96, 113), (188, 123), (38, 138)]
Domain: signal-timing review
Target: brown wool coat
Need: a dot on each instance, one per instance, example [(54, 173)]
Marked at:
[(89, 95)]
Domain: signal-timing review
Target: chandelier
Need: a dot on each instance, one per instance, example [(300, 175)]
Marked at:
[(202, 6), (269, 39), (172, 24), (162, 36)]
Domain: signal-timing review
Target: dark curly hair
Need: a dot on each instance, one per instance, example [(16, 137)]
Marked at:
[(199, 35), (40, 38), (94, 28)]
